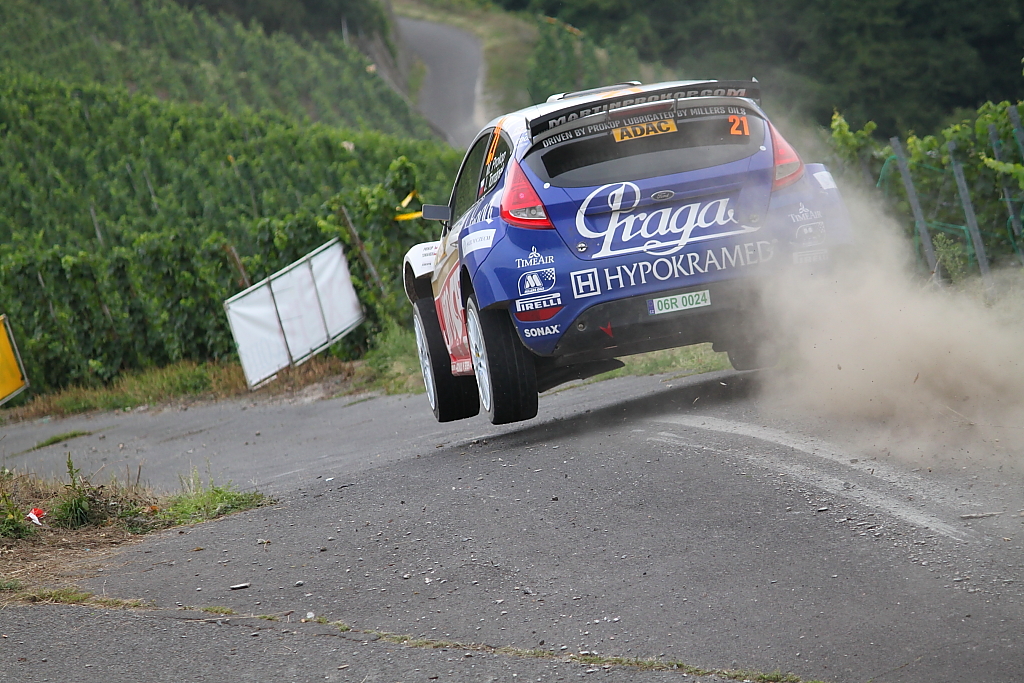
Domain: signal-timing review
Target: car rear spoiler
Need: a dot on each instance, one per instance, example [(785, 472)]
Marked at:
[(675, 91)]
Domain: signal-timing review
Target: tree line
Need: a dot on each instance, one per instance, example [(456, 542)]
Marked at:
[(907, 65)]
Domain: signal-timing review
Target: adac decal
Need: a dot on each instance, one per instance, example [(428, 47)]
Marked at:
[(537, 303), (536, 281), (661, 232), (641, 130), (592, 281), (804, 214), (534, 259), (475, 241), (545, 331)]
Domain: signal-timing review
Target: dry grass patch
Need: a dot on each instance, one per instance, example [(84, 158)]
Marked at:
[(83, 522), (184, 381)]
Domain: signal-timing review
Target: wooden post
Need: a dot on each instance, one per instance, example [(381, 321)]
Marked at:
[(237, 262), (362, 250), (915, 207), (972, 221), (96, 225)]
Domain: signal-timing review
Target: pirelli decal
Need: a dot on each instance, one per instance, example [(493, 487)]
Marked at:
[(644, 130)]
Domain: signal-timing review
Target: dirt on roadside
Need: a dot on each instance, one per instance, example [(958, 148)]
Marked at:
[(54, 558)]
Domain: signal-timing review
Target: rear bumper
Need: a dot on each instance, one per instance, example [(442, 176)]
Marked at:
[(627, 326)]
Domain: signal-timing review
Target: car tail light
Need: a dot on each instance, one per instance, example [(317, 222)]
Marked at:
[(788, 166), (520, 205), (538, 314)]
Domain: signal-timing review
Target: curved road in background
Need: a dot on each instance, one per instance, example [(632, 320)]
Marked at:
[(454, 79)]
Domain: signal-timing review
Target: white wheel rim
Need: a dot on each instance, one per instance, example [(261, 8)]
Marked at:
[(425, 368), (479, 353)]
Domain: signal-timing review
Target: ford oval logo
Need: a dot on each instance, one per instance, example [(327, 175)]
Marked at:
[(662, 195)]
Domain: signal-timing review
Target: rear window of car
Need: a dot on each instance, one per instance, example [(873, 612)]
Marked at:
[(690, 138)]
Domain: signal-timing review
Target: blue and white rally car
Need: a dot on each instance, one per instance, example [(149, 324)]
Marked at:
[(605, 223)]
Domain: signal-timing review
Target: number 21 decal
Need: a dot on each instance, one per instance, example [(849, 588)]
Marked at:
[(739, 125)]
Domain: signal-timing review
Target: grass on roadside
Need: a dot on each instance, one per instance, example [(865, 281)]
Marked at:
[(130, 508), (199, 502), (594, 660), (686, 360), (218, 609), (57, 438), (182, 381)]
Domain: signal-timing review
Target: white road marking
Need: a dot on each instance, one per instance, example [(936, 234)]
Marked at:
[(822, 449)]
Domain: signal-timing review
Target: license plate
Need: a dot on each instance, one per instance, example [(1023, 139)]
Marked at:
[(679, 302)]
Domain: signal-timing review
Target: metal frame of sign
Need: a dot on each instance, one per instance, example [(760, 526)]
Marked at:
[(294, 360)]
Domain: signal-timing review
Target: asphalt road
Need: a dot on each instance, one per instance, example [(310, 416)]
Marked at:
[(681, 519), (450, 97)]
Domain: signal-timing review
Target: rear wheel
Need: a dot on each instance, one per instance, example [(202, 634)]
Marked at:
[(505, 372), (450, 397), (750, 355)]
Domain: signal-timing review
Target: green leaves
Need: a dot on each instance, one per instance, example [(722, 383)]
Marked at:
[(929, 160), (165, 50), (565, 59), (169, 187)]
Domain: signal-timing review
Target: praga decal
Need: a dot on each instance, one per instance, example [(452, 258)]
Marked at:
[(607, 214)]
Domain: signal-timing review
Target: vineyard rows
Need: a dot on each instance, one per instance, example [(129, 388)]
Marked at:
[(159, 48), (118, 212), (931, 169)]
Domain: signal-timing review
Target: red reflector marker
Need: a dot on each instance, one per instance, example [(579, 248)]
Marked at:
[(538, 315), (520, 205)]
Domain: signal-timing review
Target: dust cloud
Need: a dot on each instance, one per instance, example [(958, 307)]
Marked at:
[(869, 347)]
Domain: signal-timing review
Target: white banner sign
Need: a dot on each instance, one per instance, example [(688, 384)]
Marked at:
[(295, 313)]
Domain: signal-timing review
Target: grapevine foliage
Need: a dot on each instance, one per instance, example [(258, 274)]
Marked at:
[(160, 48), (929, 158), (117, 213)]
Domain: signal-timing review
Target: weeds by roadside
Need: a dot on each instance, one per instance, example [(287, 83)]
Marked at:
[(595, 660), (80, 520), (123, 506), (182, 381), (199, 502), (57, 438)]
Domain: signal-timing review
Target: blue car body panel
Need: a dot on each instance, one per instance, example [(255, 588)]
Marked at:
[(638, 238)]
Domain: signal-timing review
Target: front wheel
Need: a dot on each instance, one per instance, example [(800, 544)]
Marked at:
[(505, 372), (451, 397)]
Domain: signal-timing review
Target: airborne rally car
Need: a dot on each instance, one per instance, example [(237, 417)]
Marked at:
[(605, 223)]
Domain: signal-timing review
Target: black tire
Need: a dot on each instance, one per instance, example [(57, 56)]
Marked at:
[(506, 375), (450, 397), (752, 356)]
